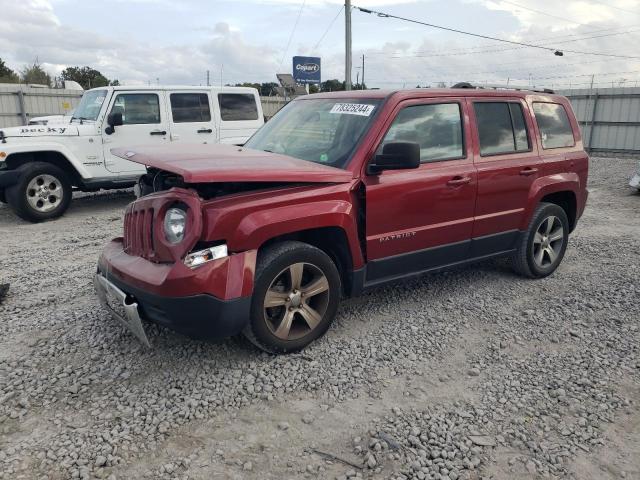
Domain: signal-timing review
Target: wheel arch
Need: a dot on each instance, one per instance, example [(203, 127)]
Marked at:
[(561, 190), (51, 156), (566, 199), (332, 240)]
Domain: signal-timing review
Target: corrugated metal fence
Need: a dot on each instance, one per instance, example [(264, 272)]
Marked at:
[(19, 103), (609, 118)]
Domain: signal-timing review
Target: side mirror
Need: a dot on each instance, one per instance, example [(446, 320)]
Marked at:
[(396, 156), (113, 120)]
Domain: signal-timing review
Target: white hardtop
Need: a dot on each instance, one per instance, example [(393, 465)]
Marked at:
[(155, 88)]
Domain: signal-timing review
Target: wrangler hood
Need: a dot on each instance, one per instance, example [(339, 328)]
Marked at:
[(62, 130), (229, 163)]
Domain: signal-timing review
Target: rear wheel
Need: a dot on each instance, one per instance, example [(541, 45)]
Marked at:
[(543, 245), (42, 193), (296, 295), (3, 197)]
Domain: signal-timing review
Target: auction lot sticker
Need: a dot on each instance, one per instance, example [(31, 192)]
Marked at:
[(353, 109)]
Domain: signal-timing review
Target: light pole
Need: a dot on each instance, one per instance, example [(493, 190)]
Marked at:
[(347, 45)]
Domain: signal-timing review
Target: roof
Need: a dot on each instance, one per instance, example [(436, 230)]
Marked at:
[(428, 93), (180, 87)]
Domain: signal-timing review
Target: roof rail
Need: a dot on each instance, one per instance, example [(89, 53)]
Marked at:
[(501, 87)]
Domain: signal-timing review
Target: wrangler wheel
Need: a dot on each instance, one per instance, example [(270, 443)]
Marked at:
[(43, 192), (296, 295)]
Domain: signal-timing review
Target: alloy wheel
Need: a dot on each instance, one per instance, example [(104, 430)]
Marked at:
[(44, 193), (296, 301), (548, 241)]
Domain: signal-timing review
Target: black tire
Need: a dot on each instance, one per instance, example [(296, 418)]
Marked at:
[(17, 194), (524, 260), (3, 197), (273, 263)]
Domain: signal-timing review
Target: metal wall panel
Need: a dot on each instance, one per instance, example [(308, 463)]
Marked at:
[(37, 102), (616, 123)]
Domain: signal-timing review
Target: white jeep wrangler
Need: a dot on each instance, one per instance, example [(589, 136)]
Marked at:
[(40, 165)]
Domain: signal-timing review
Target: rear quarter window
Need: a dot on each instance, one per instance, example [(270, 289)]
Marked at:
[(236, 107), (553, 124)]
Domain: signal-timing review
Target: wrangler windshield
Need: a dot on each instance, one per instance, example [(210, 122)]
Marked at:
[(320, 130), (90, 105)]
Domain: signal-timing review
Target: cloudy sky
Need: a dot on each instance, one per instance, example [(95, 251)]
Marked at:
[(177, 41)]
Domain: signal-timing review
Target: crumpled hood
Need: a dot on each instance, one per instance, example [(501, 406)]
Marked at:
[(61, 130), (229, 163)]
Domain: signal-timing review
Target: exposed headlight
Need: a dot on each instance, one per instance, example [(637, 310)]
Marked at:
[(175, 223), (201, 257)]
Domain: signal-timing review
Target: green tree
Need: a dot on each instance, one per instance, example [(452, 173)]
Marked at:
[(266, 88), (35, 74), (114, 83), (6, 74), (332, 86), (86, 76)]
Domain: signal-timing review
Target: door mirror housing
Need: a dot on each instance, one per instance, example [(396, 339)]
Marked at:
[(396, 156), (113, 120)]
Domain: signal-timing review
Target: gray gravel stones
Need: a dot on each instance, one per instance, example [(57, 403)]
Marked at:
[(544, 372)]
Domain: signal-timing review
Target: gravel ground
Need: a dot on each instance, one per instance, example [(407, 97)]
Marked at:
[(469, 374)]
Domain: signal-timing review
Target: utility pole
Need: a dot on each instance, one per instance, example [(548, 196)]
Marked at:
[(363, 71), (347, 45), (208, 79)]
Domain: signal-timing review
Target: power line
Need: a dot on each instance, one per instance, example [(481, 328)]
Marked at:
[(487, 37), (295, 25), (486, 45), (503, 40), (612, 6), (329, 27), (494, 50), (541, 12)]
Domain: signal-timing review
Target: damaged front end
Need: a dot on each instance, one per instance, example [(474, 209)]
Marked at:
[(157, 180)]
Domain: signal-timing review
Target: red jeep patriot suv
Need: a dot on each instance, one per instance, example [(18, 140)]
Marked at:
[(338, 193)]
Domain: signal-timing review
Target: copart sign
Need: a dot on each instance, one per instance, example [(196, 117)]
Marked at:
[(306, 69)]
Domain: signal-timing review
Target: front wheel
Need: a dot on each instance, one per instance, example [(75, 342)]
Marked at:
[(42, 193), (295, 299), (544, 243)]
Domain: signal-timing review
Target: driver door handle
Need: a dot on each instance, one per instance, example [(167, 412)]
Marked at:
[(205, 130), (528, 171), (157, 132), (458, 180)]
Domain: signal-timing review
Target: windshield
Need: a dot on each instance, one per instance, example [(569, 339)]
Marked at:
[(321, 130), (90, 105)]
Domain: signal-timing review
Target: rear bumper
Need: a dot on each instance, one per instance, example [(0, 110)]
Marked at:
[(209, 302)]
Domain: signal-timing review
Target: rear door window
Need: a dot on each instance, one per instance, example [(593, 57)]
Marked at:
[(553, 124), (501, 128), (190, 107), (436, 127), (237, 107)]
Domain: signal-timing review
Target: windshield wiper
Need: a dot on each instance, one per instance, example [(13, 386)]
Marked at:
[(79, 118)]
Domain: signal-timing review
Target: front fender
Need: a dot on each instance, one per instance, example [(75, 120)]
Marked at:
[(258, 227), (47, 147), (543, 186)]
